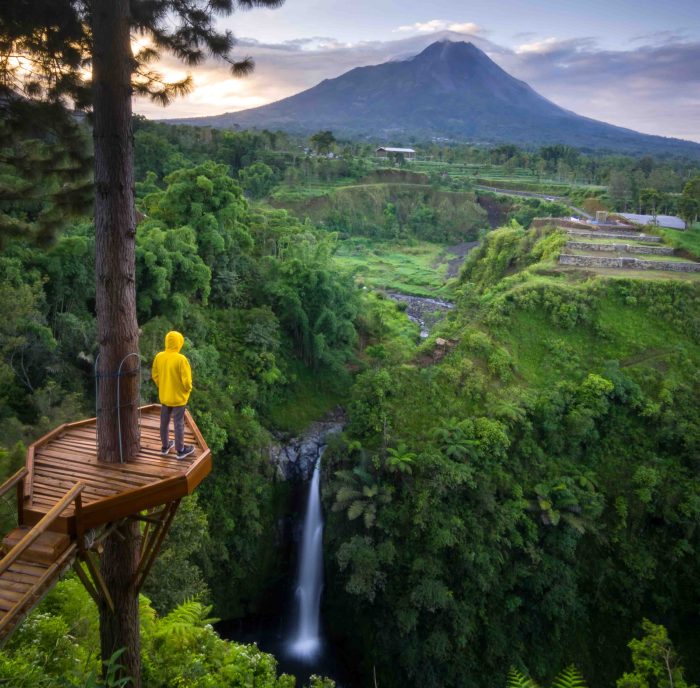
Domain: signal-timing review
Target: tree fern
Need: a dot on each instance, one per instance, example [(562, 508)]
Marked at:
[(517, 679), (184, 625), (569, 678), (356, 509)]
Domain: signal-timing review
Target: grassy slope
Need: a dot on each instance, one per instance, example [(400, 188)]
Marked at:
[(544, 353), (645, 321), (688, 240), (417, 269), (309, 398)]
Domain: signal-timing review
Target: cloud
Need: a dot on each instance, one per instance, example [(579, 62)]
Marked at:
[(545, 46), (553, 47), (662, 37), (440, 25), (653, 88)]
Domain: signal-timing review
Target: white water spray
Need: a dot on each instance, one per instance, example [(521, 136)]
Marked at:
[(305, 643)]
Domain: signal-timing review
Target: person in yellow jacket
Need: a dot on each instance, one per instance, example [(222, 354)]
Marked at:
[(173, 376)]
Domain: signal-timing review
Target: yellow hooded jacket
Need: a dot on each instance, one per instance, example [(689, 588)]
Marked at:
[(171, 372)]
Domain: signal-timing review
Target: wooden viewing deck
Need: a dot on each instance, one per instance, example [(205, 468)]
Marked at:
[(68, 502)]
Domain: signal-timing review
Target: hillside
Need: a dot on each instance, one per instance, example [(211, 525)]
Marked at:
[(451, 90), (522, 496)]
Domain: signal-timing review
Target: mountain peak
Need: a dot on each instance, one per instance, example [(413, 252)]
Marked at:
[(447, 48), (452, 89)]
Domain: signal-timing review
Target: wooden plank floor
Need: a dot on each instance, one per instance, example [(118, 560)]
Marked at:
[(70, 456), (24, 584)]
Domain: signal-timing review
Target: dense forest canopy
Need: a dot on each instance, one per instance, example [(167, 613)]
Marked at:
[(525, 499)]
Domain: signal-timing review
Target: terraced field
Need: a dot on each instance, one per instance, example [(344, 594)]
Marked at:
[(618, 252)]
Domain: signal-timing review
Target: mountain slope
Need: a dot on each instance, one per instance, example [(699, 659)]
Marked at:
[(450, 89)]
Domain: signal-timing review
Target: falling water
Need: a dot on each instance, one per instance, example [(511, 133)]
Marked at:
[(305, 643)]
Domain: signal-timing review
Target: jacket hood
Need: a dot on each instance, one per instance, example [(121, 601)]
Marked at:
[(174, 341)]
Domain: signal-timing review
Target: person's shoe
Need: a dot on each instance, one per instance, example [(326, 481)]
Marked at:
[(166, 450), (185, 452)]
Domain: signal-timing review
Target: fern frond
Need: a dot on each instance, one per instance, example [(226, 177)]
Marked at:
[(189, 613), (570, 677), (516, 679), (356, 509)]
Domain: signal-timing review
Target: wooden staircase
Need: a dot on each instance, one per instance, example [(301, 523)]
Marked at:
[(34, 558), (68, 503)]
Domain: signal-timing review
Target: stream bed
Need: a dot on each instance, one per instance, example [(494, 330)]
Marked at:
[(423, 311)]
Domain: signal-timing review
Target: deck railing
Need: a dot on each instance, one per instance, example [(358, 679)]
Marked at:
[(21, 547), (16, 480)]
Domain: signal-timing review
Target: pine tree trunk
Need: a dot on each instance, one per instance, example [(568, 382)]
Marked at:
[(121, 629), (115, 230), (115, 273)]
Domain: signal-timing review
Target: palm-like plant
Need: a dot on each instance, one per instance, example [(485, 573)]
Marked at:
[(558, 502), (399, 459), (517, 679), (360, 495), (184, 626), (455, 438), (570, 677)]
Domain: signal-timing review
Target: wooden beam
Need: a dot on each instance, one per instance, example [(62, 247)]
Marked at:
[(96, 574), (14, 554), (147, 561), (20, 503), (87, 584), (132, 501), (13, 480)]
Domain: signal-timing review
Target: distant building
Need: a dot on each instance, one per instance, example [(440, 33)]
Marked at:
[(384, 152), (670, 221)]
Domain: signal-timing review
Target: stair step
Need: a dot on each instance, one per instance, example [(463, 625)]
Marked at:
[(44, 550)]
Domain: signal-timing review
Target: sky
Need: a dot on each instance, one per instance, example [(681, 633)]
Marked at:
[(633, 63)]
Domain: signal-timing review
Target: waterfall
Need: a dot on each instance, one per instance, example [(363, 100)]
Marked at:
[(305, 642)]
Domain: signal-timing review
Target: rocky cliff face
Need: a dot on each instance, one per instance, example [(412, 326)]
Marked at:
[(295, 457)]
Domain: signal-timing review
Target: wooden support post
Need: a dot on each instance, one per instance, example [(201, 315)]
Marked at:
[(13, 480), (79, 524), (85, 580), (94, 569), (20, 502), (153, 517), (155, 543)]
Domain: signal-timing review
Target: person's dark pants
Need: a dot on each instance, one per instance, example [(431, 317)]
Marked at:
[(178, 415)]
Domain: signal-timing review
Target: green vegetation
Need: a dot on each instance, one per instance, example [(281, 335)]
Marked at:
[(417, 268), (529, 492), (688, 240), (522, 494), (306, 399), (391, 211), (261, 305), (656, 665), (59, 647)]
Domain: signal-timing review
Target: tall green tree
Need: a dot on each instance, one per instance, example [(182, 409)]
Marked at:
[(323, 141), (60, 39)]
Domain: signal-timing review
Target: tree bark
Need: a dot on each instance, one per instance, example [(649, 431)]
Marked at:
[(115, 278), (115, 231), (121, 628)]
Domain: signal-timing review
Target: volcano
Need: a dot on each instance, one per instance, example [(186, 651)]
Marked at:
[(450, 91)]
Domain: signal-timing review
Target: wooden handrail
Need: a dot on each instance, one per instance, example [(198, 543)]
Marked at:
[(51, 515), (13, 480), (9, 616)]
